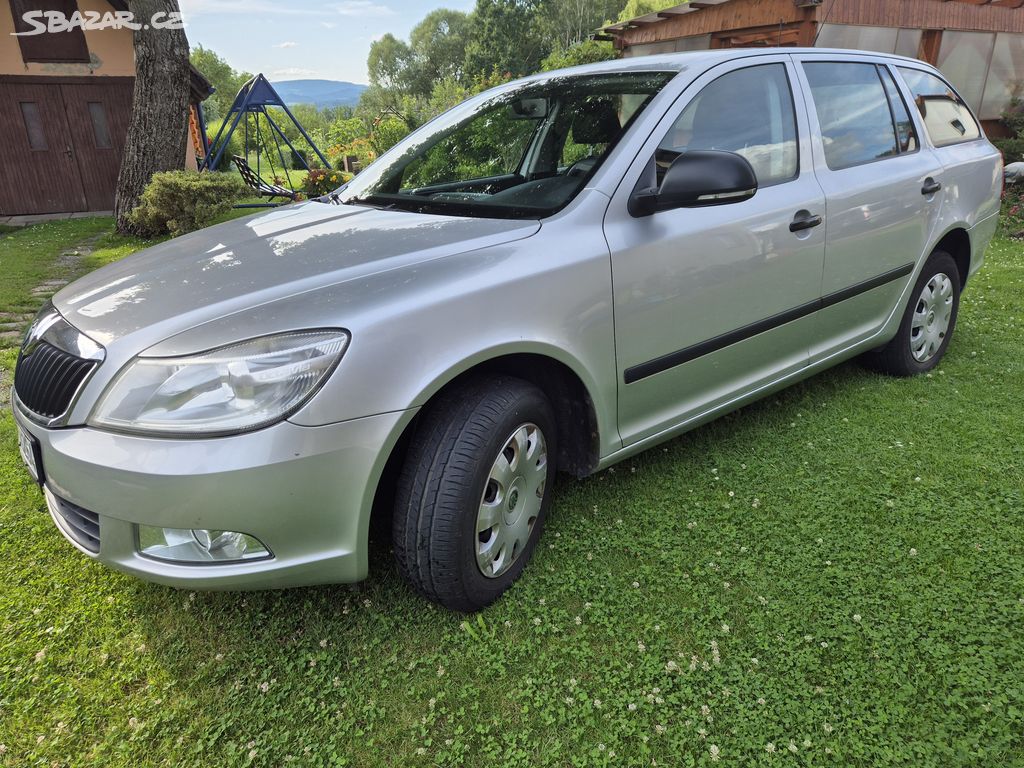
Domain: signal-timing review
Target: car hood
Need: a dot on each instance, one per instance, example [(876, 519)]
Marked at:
[(247, 262)]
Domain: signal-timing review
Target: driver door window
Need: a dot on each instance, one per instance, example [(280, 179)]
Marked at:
[(749, 112)]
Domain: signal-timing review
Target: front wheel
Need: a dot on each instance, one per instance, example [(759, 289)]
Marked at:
[(474, 491), (928, 322)]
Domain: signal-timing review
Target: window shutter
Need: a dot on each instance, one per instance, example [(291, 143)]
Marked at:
[(49, 47)]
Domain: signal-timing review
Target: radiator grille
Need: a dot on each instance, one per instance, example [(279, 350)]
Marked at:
[(47, 379)]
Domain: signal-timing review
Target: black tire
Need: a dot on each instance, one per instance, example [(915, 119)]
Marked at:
[(896, 357), (442, 483)]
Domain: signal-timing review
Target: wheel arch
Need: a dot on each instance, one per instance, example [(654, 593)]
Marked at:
[(578, 420), (956, 241)]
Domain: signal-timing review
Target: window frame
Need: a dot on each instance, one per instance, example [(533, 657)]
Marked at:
[(898, 68), (812, 108), (44, 48), (910, 109), (676, 112)]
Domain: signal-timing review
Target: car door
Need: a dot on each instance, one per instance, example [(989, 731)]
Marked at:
[(712, 303), (883, 190)]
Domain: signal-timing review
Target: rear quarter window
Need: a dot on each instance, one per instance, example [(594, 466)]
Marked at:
[(947, 118)]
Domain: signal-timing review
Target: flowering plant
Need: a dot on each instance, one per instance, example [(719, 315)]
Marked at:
[(320, 181)]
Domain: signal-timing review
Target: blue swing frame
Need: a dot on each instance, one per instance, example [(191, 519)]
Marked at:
[(254, 98)]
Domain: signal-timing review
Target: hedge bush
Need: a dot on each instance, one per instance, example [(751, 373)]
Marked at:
[(176, 202)]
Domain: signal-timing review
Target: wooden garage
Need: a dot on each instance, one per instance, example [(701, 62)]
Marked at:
[(65, 105), (978, 44)]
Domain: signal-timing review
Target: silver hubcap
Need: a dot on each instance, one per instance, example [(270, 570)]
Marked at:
[(930, 324), (511, 500)]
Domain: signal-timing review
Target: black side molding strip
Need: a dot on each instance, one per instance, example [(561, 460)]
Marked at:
[(673, 359)]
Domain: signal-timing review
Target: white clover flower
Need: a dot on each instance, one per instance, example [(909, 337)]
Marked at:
[(264, 687), (597, 703), (913, 552), (856, 617), (536, 620), (769, 748), (659, 729), (828, 727), (762, 701), (792, 748), (252, 754), (807, 743), (636, 585), (725, 627), (714, 752), (578, 620), (702, 732), (640, 646), (824, 644), (601, 747), (631, 707), (421, 750)]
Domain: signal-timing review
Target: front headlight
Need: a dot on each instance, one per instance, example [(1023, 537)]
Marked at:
[(232, 389)]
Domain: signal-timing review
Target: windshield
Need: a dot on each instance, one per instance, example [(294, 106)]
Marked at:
[(521, 152)]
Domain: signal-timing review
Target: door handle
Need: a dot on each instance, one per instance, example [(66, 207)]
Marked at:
[(931, 186), (805, 220)]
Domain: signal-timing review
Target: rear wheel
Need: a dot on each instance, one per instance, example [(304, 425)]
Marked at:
[(474, 491), (928, 322)]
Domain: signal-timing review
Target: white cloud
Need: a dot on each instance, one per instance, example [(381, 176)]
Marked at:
[(328, 24), (286, 44), (293, 73), (361, 8)]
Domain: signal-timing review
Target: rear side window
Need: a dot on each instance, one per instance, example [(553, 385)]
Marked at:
[(946, 117), (853, 112), (749, 112)]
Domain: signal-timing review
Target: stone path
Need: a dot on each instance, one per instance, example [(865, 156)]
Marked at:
[(14, 321), (24, 221)]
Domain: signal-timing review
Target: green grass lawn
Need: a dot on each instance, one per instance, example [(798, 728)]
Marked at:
[(834, 576)]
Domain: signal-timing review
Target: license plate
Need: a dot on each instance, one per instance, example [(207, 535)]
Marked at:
[(30, 454)]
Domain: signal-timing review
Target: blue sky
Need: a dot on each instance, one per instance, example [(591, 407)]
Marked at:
[(289, 40)]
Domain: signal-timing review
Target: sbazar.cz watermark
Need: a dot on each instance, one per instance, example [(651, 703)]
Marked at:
[(41, 22)]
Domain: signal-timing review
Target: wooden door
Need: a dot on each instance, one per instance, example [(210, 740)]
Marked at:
[(39, 170), (98, 115)]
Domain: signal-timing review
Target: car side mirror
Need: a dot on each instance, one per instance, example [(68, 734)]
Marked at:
[(698, 179)]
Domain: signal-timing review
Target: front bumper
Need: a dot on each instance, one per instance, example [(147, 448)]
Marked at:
[(305, 492)]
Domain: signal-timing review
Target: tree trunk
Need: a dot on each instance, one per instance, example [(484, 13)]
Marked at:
[(158, 131)]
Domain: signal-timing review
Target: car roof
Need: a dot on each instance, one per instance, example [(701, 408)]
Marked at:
[(677, 62)]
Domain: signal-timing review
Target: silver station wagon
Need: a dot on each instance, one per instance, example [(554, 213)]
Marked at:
[(555, 275)]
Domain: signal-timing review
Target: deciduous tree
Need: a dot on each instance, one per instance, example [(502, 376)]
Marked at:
[(158, 129)]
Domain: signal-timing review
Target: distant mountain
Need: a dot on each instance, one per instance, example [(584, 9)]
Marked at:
[(321, 93)]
